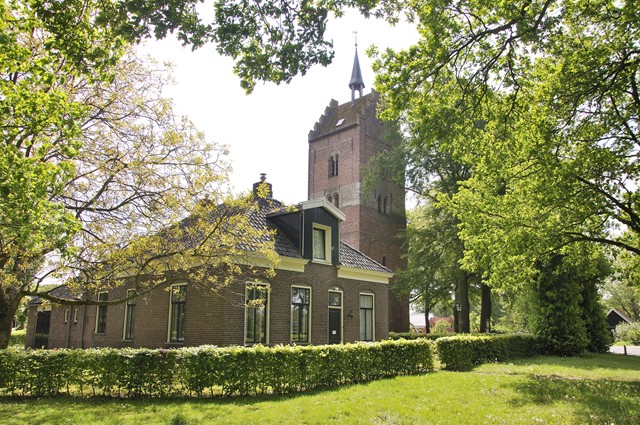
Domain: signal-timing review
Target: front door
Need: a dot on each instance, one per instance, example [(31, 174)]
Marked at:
[(41, 339), (335, 326)]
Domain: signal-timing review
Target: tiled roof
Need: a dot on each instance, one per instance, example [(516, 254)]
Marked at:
[(328, 122), (351, 257), (283, 245), (61, 291)]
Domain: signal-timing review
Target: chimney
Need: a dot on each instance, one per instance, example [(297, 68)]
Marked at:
[(263, 180)]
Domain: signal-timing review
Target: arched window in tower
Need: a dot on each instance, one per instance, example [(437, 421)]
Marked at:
[(336, 200), (380, 210), (333, 165), (385, 205), (330, 198)]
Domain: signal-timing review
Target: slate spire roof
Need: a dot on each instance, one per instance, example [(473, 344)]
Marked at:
[(357, 82)]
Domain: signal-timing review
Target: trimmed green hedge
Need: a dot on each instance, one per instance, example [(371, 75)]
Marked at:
[(207, 370), (414, 335), (463, 352)]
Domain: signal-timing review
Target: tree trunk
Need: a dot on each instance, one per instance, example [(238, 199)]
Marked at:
[(8, 308), (462, 299), (485, 310), (427, 327)]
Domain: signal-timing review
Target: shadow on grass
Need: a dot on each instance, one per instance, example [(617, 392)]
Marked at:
[(593, 401), (218, 399), (587, 361)]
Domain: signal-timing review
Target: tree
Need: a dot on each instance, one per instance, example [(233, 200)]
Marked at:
[(431, 260), (622, 289), (99, 180), (434, 248), (270, 40), (541, 100)]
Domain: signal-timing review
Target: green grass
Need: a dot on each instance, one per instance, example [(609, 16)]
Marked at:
[(598, 389)]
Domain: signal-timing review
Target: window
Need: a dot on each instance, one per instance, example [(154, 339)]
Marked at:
[(176, 312), (321, 243), (101, 314), (366, 317), (75, 315), (256, 314), (300, 314), (333, 165), (129, 315), (336, 200), (66, 316)]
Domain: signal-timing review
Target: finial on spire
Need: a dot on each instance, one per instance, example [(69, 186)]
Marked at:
[(356, 82)]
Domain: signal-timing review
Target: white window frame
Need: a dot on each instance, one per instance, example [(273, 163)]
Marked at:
[(98, 314), (75, 315), (341, 308), (126, 314), (327, 243), (308, 341), (66, 315), (267, 312), (373, 315), (169, 340)]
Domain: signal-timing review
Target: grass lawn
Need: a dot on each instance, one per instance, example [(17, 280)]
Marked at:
[(598, 389)]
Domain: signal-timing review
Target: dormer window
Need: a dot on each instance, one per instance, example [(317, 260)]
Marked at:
[(321, 243)]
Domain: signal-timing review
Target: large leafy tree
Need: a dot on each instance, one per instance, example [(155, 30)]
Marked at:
[(433, 253), (98, 175), (269, 40), (541, 99)]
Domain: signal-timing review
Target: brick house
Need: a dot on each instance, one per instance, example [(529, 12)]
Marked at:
[(337, 252), (324, 291)]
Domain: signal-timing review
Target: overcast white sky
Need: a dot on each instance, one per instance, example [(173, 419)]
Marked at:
[(267, 130)]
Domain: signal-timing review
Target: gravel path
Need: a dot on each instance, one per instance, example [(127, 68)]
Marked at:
[(632, 350)]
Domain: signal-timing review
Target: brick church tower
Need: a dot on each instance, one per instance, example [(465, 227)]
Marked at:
[(340, 145)]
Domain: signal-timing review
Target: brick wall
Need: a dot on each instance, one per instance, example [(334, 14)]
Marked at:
[(217, 317)]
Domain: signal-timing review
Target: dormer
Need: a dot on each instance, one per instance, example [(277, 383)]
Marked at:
[(314, 226)]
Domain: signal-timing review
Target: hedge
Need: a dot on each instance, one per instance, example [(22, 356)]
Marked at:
[(463, 352), (207, 370), (415, 335)]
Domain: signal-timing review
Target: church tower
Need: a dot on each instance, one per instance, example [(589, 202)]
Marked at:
[(341, 144)]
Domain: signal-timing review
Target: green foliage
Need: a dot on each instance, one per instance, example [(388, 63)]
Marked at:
[(96, 170), (464, 352), (441, 327), (539, 100), (628, 332), (557, 318), (413, 335), (18, 337), (194, 371)]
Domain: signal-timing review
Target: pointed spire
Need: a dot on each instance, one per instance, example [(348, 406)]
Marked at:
[(356, 82)]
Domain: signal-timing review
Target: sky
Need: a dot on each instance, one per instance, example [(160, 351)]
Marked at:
[(267, 130)]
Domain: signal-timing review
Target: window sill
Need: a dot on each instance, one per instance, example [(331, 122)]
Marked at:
[(325, 262)]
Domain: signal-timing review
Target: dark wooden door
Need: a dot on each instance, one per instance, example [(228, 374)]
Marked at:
[(42, 330), (335, 326)]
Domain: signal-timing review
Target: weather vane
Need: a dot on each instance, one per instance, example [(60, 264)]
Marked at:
[(355, 34)]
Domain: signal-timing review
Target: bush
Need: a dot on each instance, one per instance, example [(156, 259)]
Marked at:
[(194, 370), (464, 352), (394, 336), (629, 333), (441, 327), (17, 338)]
